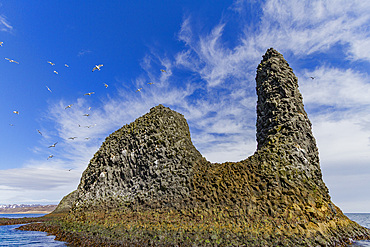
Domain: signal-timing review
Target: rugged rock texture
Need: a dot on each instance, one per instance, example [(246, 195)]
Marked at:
[(153, 179), (149, 162), (65, 205), (282, 122)]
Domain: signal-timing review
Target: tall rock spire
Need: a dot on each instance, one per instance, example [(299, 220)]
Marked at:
[(280, 106), (282, 122)]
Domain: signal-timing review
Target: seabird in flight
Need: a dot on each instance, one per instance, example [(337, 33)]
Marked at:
[(50, 156), (53, 146), (51, 63), (105, 85), (162, 70), (72, 138), (66, 65), (89, 94), (312, 77), (39, 132), (49, 89), (16, 112), (139, 90), (69, 106), (1, 43), (86, 115), (97, 67), (11, 60), (150, 83), (56, 72)]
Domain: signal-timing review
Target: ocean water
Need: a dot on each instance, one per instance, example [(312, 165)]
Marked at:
[(362, 219), (20, 215), (10, 236)]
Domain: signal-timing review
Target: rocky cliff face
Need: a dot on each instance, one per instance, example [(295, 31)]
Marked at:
[(282, 122), (276, 196), (149, 162)]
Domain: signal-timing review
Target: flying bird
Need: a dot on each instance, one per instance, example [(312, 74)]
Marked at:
[(150, 83), (97, 67), (53, 146), (86, 115), (55, 72), (11, 60), (52, 64), (49, 89), (89, 126), (50, 156), (139, 90), (39, 132), (1, 43), (162, 70), (11, 124), (72, 138), (105, 85), (87, 138), (66, 65), (69, 106), (16, 112), (312, 77), (89, 94)]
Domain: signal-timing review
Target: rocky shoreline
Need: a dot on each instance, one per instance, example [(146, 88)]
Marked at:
[(177, 229)]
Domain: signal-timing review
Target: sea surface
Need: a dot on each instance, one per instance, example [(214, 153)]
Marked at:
[(362, 219), (9, 236)]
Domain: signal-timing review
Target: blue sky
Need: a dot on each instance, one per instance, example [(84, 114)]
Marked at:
[(210, 51)]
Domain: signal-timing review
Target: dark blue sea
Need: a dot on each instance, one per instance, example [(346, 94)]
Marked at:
[(9, 236)]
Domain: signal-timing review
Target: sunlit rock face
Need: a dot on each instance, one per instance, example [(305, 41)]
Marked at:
[(148, 162), (282, 122)]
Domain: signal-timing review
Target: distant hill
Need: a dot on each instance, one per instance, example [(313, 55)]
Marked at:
[(26, 208)]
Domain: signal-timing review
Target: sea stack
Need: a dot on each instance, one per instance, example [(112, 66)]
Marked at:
[(157, 189)]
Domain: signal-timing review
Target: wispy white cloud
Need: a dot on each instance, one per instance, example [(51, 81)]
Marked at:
[(307, 27), (340, 88), (39, 181), (4, 24)]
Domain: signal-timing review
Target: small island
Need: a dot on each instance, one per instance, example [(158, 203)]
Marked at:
[(148, 185)]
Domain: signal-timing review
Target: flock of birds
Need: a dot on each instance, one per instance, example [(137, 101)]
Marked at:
[(96, 67)]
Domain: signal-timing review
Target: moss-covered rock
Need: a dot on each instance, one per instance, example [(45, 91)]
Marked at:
[(149, 184)]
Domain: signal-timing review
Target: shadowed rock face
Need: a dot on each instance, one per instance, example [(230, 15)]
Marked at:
[(148, 161)]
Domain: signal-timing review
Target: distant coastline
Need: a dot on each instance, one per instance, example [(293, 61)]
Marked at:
[(39, 209)]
